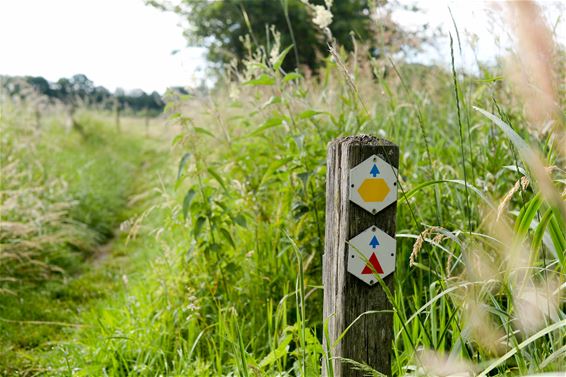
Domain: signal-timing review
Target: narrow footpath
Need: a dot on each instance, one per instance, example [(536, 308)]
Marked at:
[(43, 324)]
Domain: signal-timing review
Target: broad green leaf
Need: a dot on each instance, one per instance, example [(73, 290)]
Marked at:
[(227, 236), (217, 176), (184, 159), (259, 66), (177, 139), (281, 58), (273, 167), (187, 202), (197, 228), (261, 80), (240, 220), (279, 352), (291, 76), (308, 114), (200, 130), (270, 123)]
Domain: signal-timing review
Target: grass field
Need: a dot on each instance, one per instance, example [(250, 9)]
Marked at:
[(201, 254)]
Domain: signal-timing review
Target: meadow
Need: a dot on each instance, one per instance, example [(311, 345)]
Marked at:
[(197, 250)]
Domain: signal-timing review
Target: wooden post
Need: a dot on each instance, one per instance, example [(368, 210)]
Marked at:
[(117, 109), (146, 118), (346, 297)]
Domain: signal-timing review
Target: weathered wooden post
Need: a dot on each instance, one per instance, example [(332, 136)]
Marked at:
[(117, 108), (146, 118), (361, 206)]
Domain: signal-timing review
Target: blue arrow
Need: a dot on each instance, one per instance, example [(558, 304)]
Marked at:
[(374, 171), (374, 242)]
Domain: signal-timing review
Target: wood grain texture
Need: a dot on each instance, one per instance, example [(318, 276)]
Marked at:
[(346, 297)]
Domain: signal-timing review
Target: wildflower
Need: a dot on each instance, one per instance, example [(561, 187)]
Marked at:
[(323, 17)]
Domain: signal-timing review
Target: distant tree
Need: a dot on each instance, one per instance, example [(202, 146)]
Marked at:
[(63, 90), (40, 84), (100, 95), (221, 26), (82, 87)]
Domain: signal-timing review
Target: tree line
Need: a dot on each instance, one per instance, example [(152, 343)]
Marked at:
[(79, 90)]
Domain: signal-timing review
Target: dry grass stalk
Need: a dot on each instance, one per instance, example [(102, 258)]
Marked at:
[(537, 70), (482, 328), (534, 72), (34, 213), (435, 363), (536, 304), (417, 246), (522, 184)]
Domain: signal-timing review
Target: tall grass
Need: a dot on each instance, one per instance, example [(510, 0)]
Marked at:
[(235, 284), (236, 290)]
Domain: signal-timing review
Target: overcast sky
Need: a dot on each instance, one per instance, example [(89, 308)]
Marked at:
[(124, 43), (116, 43)]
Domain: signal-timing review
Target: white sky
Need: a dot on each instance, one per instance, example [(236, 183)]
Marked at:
[(124, 43), (116, 43)]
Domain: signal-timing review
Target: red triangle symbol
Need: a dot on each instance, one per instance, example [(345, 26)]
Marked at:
[(376, 266)]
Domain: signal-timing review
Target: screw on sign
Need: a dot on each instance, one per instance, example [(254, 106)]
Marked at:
[(373, 184), (371, 253)]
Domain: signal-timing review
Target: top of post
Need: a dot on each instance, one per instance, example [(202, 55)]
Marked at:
[(362, 140)]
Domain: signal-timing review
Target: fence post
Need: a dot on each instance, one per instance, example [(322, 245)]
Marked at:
[(361, 207)]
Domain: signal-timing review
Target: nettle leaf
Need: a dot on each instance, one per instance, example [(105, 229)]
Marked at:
[(259, 66), (184, 160), (281, 58), (217, 176), (227, 236), (304, 177), (264, 79), (291, 76), (281, 350), (309, 114), (240, 220), (203, 131), (198, 225), (270, 123), (177, 139), (187, 202)]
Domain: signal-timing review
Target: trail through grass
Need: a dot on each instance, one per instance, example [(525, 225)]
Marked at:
[(110, 179)]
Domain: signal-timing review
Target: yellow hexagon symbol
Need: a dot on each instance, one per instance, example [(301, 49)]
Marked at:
[(373, 190)]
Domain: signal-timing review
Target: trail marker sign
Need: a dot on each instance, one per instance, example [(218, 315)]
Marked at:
[(369, 253), (361, 193), (373, 184)]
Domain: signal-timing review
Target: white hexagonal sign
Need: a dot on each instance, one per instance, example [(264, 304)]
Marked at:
[(373, 184), (371, 252)]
